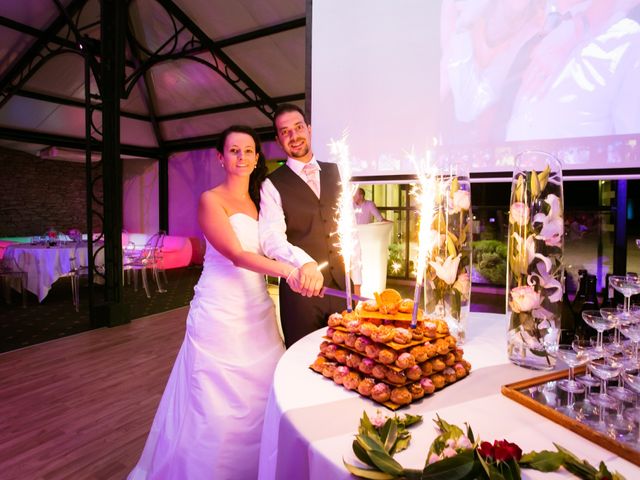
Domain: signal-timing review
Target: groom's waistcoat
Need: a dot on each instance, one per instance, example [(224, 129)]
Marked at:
[(311, 222)]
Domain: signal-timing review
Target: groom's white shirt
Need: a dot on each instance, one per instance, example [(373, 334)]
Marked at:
[(273, 228)]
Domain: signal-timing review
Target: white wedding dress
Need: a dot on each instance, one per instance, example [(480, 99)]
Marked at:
[(209, 421)]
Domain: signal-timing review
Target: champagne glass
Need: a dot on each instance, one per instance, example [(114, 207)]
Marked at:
[(594, 319), (605, 369), (585, 344), (572, 358), (627, 285), (615, 316), (633, 414), (629, 362), (631, 330)]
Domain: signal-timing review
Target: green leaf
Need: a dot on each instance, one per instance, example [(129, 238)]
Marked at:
[(496, 474), (384, 431), (539, 353), (456, 302), (391, 436), (408, 420), (544, 461), (461, 467), (401, 444), (366, 473), (386, 463), (543, 177), (603, 472), (534, 184), (362, 454), (366, 426), (446, 427), (455, 185), (470, 434), (484, 464), (370, 444)]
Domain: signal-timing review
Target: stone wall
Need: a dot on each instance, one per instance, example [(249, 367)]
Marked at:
[(36, 194)]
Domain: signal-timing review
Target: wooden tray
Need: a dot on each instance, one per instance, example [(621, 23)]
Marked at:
[(405, 317), (515, 392)]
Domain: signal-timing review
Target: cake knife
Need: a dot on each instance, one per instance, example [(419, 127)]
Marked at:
[(342, 294)]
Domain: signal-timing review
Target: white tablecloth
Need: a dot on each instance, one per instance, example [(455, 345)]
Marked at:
[(44, 265), (310, 422)]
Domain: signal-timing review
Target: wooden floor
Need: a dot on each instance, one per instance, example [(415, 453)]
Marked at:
[(80, 407)]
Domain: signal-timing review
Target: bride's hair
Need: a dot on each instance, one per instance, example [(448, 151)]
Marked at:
[(260, 172)]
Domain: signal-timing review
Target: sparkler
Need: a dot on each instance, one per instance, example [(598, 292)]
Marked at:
[(425, 192), (346, 228)]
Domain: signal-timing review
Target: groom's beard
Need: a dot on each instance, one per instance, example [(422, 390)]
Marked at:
[(301, 152)]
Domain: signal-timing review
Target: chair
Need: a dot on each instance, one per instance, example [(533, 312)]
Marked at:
[(10, 271), (150, 257), (77, 271)]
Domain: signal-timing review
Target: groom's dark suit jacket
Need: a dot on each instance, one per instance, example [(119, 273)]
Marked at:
[(311, 225)]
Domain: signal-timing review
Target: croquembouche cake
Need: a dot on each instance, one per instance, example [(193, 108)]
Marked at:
[(373, 351)]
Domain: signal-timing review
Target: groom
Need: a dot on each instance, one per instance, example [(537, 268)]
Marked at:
[(298, 226)]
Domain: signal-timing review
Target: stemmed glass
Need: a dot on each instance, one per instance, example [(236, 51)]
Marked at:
[(585, 344), (627, 285), (617, 317), (605, 369), (629, 325), (600, 324), (631, 330), (633, 414), (572, 358)]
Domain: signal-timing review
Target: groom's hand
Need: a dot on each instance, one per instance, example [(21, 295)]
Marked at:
[(311, 279)]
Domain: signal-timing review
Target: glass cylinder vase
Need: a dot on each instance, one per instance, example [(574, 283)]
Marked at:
[(535, 268), (447, 287)]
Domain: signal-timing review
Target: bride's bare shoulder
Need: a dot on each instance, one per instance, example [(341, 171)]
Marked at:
[(212, 198)]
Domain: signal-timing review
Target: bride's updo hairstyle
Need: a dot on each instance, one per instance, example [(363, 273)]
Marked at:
[(260, 172)]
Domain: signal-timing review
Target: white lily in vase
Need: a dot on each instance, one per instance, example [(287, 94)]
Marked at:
[(447, 271), (552, 222), (536, 229)]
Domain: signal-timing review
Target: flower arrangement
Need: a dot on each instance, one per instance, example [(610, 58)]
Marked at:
[(535, 247), (448, 275), (52, 234), (457, 454)]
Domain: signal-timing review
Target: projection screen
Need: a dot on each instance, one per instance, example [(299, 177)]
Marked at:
[(475, 82)]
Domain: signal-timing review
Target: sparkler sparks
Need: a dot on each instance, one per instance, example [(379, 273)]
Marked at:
[(346, 227), (425, 193)]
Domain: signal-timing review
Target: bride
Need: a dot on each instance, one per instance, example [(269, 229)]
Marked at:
[(209, 421)]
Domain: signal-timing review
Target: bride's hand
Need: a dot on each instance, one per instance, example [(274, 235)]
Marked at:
[(294, 280)]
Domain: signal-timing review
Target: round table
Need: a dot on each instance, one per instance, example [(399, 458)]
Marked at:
[(44, 264), (310, 422)]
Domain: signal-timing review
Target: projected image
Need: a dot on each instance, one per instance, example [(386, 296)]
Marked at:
[(538, 69)]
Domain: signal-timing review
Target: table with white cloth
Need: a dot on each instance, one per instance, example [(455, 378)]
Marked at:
[(45, 264), (310, 422)]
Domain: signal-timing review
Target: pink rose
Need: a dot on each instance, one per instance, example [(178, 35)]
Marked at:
[(519, 213), (461, 200), (524, 299), (463, 284), (449, 452)]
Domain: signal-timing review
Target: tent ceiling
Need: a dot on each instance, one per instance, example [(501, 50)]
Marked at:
[(209, 63)]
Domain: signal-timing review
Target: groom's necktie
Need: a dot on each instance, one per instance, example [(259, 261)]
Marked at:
[(312, 177)]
